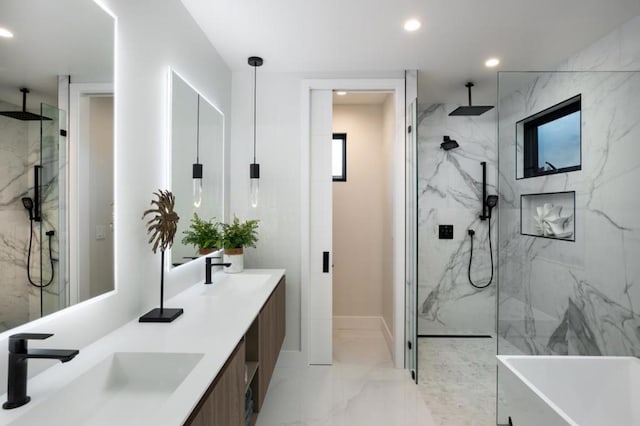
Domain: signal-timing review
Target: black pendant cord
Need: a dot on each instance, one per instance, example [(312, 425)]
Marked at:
[(471, 233), (198, 131), (254, 111)]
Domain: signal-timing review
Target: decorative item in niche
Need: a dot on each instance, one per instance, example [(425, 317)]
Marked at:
[(236, 236), (162, 227), (550, 222), (548, 215)]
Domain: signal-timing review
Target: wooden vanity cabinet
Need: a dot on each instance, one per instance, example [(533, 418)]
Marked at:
[(272, 329), (224, 402)]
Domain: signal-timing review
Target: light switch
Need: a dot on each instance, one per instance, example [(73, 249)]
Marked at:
[(101, 232)]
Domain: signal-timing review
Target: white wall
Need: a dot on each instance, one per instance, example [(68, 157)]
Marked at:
[(358, 206), (151, 36), (388, 139)]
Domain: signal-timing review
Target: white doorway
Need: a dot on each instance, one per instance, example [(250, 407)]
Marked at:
[(91, 158), (363, 136), (317, 224)]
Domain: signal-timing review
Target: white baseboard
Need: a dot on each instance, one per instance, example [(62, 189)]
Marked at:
[(364, 323), (356, 323), (387, 334)]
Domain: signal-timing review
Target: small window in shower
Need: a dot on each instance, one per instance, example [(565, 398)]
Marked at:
[(551, 140), (339, 157)]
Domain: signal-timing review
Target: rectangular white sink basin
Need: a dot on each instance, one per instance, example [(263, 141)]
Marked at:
[(571, 390), (125, 388), (234, 283)]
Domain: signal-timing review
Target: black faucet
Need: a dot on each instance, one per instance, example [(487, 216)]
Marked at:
[(18, 356), (207, 270)]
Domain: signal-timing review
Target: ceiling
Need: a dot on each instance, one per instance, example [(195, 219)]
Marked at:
[(365, 36), (51, 38)]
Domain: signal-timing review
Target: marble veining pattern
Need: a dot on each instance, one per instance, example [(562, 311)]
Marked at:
[(449, 192), (19, 152), (582, 297), (360, 388)]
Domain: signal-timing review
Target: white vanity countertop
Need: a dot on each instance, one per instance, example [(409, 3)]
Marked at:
[(214, 320)]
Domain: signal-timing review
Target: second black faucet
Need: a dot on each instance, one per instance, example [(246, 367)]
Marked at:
[(209, 265)]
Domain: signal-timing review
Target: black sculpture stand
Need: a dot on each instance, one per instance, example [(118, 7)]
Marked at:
[(161, 314)]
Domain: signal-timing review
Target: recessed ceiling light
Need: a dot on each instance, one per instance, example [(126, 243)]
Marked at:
[(412, 25), (492, 62), (341, 93), (5, 33)]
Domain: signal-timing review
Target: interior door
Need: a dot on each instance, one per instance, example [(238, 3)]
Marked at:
[(321, 226)]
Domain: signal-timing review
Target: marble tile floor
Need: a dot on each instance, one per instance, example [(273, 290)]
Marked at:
[(457, 380), (360, 388)]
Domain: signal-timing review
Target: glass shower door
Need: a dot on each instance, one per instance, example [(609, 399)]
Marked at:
[(51, 195), (411, 232)]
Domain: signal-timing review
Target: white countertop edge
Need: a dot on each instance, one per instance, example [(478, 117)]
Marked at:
[(203, 316)]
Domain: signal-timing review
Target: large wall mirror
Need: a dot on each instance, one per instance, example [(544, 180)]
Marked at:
[(197, 162), (56, 131)]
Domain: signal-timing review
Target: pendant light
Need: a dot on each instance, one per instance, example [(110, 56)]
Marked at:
[(197, 167), (254, 168)]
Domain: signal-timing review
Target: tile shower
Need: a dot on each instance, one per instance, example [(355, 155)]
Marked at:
[(449, 192), (24, 144)]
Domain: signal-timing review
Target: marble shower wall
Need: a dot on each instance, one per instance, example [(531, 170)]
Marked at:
[(449, 193), (19, 152), (582, 297)]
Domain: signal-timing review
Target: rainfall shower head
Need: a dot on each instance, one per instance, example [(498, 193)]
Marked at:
[(471, 109), (448, 143), (24, 115)]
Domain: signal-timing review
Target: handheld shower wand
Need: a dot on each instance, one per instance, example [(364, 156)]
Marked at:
[(27, 202), (488, 203)]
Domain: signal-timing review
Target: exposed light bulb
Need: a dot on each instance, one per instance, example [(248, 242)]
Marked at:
[(197, 185), (254, 183), (254, 189), (197, 193)]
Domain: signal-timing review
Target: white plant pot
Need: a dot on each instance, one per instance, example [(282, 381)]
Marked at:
[(237, 263)]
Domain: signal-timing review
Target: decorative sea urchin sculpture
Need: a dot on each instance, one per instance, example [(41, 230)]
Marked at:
[(162, 228), (164, 224)]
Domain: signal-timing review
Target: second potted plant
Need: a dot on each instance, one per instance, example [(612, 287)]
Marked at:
[(203, 234), (235, 236)]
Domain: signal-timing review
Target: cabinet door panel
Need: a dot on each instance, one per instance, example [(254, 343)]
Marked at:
[(223, 405)]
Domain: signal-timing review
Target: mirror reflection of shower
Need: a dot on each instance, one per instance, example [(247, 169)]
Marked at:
[(32, 219)]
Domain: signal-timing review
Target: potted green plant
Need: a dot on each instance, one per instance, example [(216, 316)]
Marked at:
[(235, 236), (203, 234)]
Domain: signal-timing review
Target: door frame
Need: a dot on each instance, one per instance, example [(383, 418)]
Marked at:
[(397, 87), (77, 271)]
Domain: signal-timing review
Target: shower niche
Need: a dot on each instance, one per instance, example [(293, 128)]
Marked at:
[(548, 215)]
